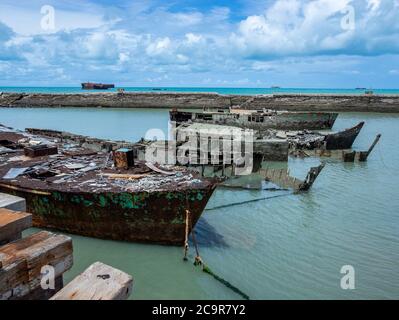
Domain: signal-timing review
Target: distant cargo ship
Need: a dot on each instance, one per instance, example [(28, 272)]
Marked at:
[(97, 86)]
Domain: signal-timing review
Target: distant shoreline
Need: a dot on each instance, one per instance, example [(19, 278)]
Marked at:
[(182, 100), (215, 90)]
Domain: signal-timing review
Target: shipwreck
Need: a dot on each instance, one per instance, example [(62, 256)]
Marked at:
[(312, 140), (258, 119), (72, 188)]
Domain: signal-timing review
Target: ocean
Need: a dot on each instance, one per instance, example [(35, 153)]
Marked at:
[(240, 91), (287, 247)]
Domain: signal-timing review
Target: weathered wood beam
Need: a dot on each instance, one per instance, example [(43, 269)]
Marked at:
[(98, 282), (348, 156), (23, 261), (282, 178), (40, 294), (363, 156), (8, 201), (12, 223)]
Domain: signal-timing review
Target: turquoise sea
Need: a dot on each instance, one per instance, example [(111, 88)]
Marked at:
[(289, 247), (243, 91)]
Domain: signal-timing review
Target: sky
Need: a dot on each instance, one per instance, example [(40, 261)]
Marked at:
[(203, 43)]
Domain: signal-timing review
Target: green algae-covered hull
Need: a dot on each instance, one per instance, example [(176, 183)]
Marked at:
[(148, 217)]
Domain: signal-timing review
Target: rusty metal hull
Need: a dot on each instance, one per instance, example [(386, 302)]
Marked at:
[(155, 217), (258, 121), (97, 86), (332, 141), (343, 139)]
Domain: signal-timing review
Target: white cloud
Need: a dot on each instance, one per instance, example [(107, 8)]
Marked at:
[(159, 47), (287, 37), (220, 13), (193, 38), (293, 27), (187, 19), (97, 45), (182, 58), (27, 20), (124, 57), (373, 4)]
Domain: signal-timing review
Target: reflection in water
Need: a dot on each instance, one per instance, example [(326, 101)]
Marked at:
[(291, 247), (207, 235)]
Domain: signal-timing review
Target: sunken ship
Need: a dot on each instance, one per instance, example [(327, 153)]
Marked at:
[(72, 188), (258, 119)]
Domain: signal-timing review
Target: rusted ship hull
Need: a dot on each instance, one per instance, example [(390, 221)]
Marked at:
[(343, 139), (97, 86), (280, 121), (333, 141), (81, 191), (157, 218)]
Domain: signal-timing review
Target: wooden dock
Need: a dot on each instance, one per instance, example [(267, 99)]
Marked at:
[(98, 282), (11, 202), (22, 260), (24, 263), (12, 223)]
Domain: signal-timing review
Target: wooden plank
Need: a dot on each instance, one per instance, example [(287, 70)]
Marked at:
[(124, 176), (12, 223), (13, 279), (98, 282), (154, 168), (40, 294), (11, 202), (38, 250), (282, 178)]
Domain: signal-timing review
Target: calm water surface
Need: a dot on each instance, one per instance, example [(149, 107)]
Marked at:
[(291, 247), (243, 91)]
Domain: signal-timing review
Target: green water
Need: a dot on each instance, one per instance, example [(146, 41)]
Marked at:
[(290, 247)]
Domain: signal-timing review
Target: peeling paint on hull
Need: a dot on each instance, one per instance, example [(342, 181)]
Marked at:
[(156, 217)]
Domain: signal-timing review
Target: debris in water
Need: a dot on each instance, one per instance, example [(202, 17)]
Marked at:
[(282, 178)]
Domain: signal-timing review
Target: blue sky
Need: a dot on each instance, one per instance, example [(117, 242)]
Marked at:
[(252, 43)]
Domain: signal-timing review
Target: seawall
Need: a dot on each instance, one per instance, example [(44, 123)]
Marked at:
[(292, 102)]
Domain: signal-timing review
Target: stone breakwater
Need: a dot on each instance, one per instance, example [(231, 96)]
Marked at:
[(291, 102)]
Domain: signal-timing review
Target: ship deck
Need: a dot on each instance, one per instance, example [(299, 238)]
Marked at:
[(77, 169)]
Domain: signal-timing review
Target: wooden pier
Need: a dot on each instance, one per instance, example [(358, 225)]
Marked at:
[(12, 224), (22, 260), (24, 264), (98, 282), (11, 202)]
